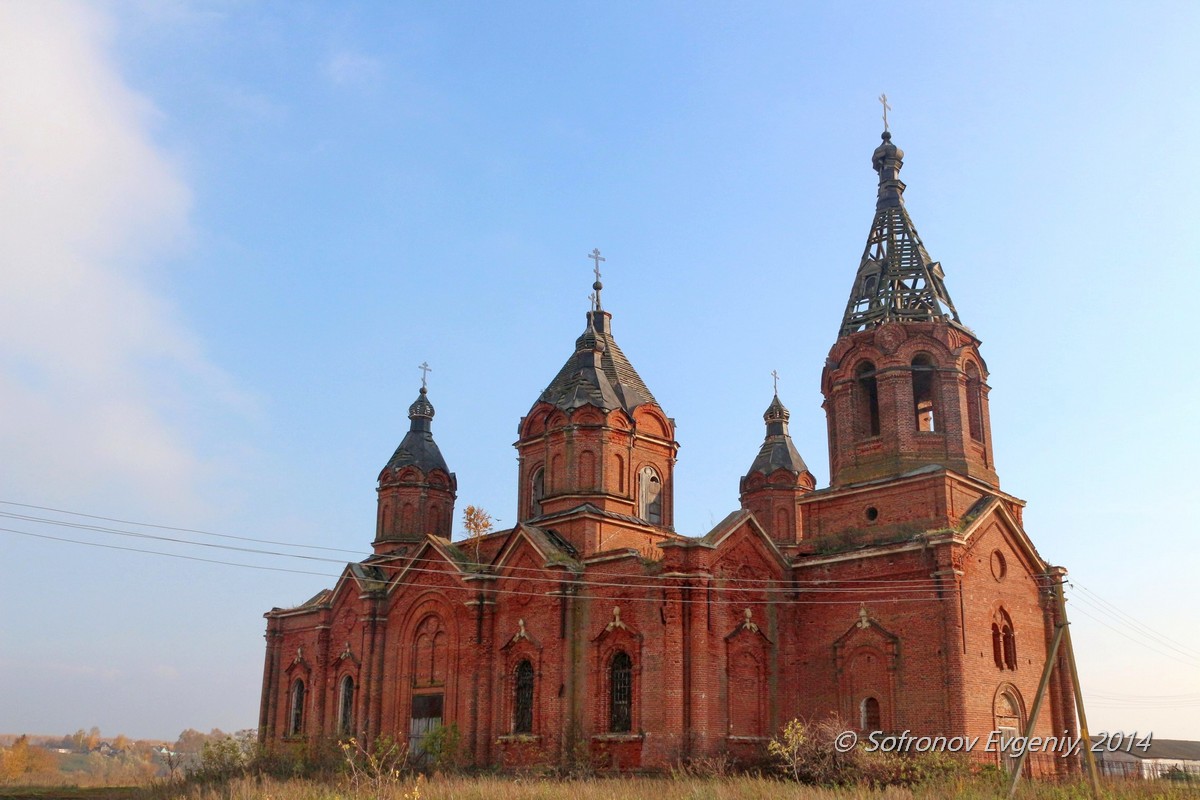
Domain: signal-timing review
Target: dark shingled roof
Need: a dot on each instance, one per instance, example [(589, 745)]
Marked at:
[(778, 451), (597, 373), (417, 448)]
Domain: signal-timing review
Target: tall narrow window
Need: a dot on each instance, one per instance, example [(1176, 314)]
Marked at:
[(869, 714), (536, 492), (1004, 641), (346, 705), (867, 400), (620, 694), (650, 490), (974, 403), (296, 720), (523, 698), (922, 386)]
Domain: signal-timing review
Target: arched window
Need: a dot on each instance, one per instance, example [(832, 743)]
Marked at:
[(430, 653), (346, 705), (868, 712), (923, 394), (974, 403), (620, 693), (1004, 641), (867, 400), (537, 491), (650, 492), (296, 715), (523, 698)]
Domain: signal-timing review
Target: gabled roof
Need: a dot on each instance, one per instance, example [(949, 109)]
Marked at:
[(597, 373), (552, 547), (988, 506), (731, 524)]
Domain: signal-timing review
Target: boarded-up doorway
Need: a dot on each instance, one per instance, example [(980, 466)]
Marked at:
[(426, 716)]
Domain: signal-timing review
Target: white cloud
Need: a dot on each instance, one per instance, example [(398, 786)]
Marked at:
[(91, 357), (347, 67)]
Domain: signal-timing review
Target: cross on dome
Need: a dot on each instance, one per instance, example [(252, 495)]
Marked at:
[(597, 258)]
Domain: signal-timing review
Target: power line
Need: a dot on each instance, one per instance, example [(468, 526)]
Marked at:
[(499, 591), (1135, 623), (786, 586), (1137, 641), (179, 530)]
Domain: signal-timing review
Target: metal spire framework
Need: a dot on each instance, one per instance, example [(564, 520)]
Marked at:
[(896, 281)]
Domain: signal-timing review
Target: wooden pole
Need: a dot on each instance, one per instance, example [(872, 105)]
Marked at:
[(1088, 755), (1059, 629), (1062, 634)]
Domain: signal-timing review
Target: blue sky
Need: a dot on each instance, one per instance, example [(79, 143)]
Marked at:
[(231, 231)]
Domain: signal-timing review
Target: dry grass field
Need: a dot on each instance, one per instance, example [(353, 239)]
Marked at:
[(610, 788)]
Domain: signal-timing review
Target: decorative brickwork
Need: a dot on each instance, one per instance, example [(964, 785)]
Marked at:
[(904, 596)]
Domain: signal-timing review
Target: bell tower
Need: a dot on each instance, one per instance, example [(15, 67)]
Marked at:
[(905, 386), (416, 489)]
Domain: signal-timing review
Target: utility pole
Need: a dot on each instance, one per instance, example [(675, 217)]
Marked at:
[(1062, 636)]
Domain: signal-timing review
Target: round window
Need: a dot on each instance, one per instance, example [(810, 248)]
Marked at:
[(999, 565)]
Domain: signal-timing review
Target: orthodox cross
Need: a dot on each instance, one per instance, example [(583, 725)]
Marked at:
[(425, 370), (886, 108), (775, 376), (596, 257)]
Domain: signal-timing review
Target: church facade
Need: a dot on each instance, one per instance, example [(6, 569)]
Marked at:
[(906, 595)]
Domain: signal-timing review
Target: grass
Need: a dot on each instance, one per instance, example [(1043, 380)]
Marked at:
[(73, 793), (640, 788), (455, 787)]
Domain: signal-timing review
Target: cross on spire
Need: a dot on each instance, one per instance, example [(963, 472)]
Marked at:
[(425, 370), (597, 258), (775, 377), (886, 108)]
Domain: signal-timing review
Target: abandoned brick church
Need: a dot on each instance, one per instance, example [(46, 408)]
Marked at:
[(904, 596)]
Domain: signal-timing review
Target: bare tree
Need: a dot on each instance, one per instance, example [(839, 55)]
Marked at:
[(478, 524)]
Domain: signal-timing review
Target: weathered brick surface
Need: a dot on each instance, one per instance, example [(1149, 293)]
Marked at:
[(879, 591)]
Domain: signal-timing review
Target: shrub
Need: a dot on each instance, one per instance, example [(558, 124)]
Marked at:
[(374, 769), (443, 748), (805, 752)]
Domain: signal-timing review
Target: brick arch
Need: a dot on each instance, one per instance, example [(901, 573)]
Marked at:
[(587, 415), (521, 647), (649, 420), (436, 652), (937, 351), (429, 660), (866, 659), (747, 678), (535, 422), (615, 637)]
